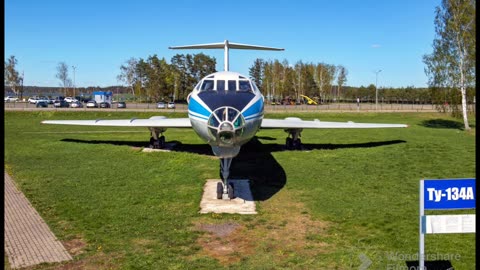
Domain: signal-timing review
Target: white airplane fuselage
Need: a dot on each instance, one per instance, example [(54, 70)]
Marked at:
[(226, 110)]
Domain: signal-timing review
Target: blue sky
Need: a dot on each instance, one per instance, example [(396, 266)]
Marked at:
[(99, 36)]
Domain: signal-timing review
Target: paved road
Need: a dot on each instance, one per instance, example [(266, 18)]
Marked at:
[(28, 240), (333, 107)]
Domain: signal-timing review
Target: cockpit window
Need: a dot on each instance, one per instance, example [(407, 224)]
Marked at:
[(207, 85), (255, 88), (197, 86), (232, 85), (245, 86), (220, 85)]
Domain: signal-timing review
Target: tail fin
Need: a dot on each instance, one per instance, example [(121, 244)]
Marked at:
[(226, 46)]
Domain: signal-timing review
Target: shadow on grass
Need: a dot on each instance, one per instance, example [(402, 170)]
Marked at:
[(201, 149), (254, 162), (431, 265), (331, 146), (128, 143), (442, 123)]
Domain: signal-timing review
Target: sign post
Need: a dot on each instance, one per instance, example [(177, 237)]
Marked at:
[(445, 194)]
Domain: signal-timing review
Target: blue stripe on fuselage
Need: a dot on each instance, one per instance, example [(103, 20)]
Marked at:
[(254, 109), (196, 107)]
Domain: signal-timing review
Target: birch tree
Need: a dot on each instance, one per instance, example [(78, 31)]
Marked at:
[(62, 75), (128, 74), (452, 63), (12, 78)]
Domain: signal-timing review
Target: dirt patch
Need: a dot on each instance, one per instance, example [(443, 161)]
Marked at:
[(224, 242), (220, 230), (75, 246), (284, 227)]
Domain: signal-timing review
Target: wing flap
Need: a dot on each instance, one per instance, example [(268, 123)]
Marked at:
[(293, 123)]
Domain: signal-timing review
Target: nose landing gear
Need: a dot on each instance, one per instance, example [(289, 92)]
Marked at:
[(225, 190)]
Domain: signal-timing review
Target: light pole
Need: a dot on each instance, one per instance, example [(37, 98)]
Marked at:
[(21, 91), (74, 67), (376, 88)]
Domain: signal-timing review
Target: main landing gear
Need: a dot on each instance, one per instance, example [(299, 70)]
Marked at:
[(225, 190), (293, 141), (157, 142)]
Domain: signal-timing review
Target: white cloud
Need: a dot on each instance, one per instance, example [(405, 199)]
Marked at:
[(376, 46)]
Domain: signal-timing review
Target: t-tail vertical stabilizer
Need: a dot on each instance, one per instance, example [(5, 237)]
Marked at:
[(226, 45)]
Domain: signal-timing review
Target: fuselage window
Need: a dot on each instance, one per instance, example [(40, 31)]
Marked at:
[(244, 86), (220, 85), (232, 85), (207, 85)]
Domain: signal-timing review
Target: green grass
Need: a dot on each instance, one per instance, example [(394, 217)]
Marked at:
[(351, 192)]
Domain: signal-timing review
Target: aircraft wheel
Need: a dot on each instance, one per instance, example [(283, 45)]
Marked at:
[(297, 144), (231, 195), (162, 142), (219, 190), (289, 143), (152, 141)]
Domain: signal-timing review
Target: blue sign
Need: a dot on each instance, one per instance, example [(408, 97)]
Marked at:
[(447, 194)]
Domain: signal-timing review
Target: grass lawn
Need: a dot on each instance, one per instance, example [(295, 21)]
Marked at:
[(349, 195)]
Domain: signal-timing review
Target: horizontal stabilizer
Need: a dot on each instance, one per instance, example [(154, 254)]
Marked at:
[(230, 45), (226, 46)]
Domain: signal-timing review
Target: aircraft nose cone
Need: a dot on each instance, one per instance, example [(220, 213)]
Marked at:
[(226, 125)]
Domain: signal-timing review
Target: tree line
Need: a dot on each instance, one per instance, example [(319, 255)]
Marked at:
[(156, 79), (280, 80)]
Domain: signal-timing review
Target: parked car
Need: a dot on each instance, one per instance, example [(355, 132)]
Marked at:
[(122, 105), (11, 99), (42, 104), (76, 104), (70, 99), (61, 104), (32, 100), (160, 105), (51, 100), (171, 105), (92, 104), (104, 105)]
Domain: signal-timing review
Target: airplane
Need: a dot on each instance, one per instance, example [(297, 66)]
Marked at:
[(226, 110)]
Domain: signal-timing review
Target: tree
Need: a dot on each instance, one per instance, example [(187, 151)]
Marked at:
[(452, 63), (256, 72), (341, 78), (128, 73), (12, 78), (62, 75)]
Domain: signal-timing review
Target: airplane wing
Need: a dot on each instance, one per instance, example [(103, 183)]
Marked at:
[(297, 123), (154, 121)]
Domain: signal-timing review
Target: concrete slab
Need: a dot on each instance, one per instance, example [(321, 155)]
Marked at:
[(168, 147), (242, 204)]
